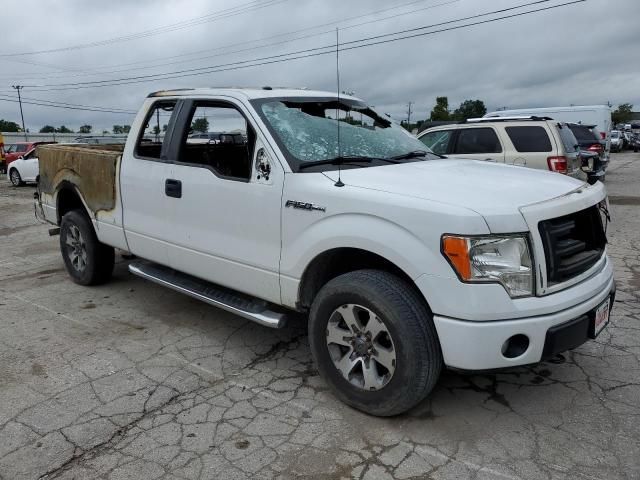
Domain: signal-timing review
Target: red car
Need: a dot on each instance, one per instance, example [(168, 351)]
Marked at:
[(13, 151)]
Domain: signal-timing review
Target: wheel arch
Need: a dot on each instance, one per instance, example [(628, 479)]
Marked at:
[(338, 261), (68, 198)]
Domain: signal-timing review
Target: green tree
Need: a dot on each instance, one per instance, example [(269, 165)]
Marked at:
[(7, 126), (469, 109), (85, 129), (156, 130), (622, 114), (117, 129), (441, 110), (63, 129), (200, 125), (126, 128), (164, 127), (47, 129)]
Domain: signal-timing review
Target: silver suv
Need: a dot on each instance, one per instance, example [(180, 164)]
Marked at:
[(533, 142)]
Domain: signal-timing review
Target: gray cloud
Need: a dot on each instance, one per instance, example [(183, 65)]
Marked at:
[(581, 54)]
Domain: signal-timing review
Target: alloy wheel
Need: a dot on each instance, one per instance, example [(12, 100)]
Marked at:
[(361, 347), (76, 248)]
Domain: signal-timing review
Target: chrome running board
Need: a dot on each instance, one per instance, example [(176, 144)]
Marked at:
[(221, 297)]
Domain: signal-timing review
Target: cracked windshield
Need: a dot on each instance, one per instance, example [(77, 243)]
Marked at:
[(309, 131)]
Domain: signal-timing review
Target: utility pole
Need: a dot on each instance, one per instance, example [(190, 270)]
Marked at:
[(409, 115), (18, 88)]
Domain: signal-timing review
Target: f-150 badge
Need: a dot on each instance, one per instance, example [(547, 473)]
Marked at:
[(304, 205)]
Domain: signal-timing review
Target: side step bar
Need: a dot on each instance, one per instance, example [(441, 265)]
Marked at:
[(221, 297)]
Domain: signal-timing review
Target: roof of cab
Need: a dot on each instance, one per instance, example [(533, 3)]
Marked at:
[(249, 92)]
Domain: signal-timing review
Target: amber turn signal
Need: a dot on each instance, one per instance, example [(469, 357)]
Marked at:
[(457, 251)]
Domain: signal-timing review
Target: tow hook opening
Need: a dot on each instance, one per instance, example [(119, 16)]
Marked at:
[(515, 346)]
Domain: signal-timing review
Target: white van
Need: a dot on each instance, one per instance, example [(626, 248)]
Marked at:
[(598, 115)]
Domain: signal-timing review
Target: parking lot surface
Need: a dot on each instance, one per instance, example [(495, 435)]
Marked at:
[(131, 380)]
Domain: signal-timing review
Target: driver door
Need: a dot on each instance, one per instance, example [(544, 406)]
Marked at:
[(225, 213)]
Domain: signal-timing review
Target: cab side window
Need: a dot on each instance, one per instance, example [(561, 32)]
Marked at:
[(149, 143), (219, 138), (437, 141), (477, 140)]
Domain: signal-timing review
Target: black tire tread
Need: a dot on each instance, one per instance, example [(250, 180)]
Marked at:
[(410, 306), (101, 256)]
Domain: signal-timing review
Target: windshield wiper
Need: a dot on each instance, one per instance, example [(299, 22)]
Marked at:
[(412, 154), (344, 159), (416, 154)]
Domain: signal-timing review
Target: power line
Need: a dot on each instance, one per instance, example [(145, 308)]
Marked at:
[(310, 52), (226, 47), (100, 110), (40, 100), (123, 110), (220, 14)]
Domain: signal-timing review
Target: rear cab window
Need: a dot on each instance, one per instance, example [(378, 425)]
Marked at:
[(529, 138)]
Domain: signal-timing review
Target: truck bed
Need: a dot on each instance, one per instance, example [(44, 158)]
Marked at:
[(90, 168)]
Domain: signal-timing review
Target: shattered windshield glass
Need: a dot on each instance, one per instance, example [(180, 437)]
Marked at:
[(308, 130)]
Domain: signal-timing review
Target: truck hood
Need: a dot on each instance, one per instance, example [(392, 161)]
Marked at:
[(495, 191)]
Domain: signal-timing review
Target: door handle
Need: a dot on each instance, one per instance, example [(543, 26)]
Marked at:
[(173, 188)]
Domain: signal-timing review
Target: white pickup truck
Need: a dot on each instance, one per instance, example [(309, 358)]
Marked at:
[(263, 201)]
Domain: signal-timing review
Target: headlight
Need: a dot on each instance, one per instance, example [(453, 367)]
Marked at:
[(502, 259)]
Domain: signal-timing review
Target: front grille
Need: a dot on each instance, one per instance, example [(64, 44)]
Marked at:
[(572, 244)]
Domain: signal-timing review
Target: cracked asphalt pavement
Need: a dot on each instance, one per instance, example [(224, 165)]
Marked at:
[(131, 380)]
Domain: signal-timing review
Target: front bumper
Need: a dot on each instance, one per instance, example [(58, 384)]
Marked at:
[(472, 345)]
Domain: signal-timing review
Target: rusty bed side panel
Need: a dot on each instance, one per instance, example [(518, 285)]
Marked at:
[(90, 168)]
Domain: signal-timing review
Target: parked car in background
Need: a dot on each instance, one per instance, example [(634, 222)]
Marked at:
[(599, 115), (626, 138), (24, 169), (101, 140), (635, 142), (592, 150), (617, 141), (533, 142), (18, 149)]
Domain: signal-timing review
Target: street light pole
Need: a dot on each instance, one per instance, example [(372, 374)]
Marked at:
[(18, 88)]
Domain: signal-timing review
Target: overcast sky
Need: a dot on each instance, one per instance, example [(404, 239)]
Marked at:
[(586, 53)]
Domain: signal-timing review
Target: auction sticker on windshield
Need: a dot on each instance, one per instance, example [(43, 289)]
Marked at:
[(601, 317)]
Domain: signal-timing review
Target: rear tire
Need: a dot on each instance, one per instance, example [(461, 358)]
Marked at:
[(393, 324), (87, 261), (15, 177)]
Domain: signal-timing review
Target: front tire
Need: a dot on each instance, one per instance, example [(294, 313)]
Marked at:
[(87, 261), (16, 179), (374, 342)]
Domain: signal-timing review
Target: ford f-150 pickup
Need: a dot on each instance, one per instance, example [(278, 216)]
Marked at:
[(404, 261)]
